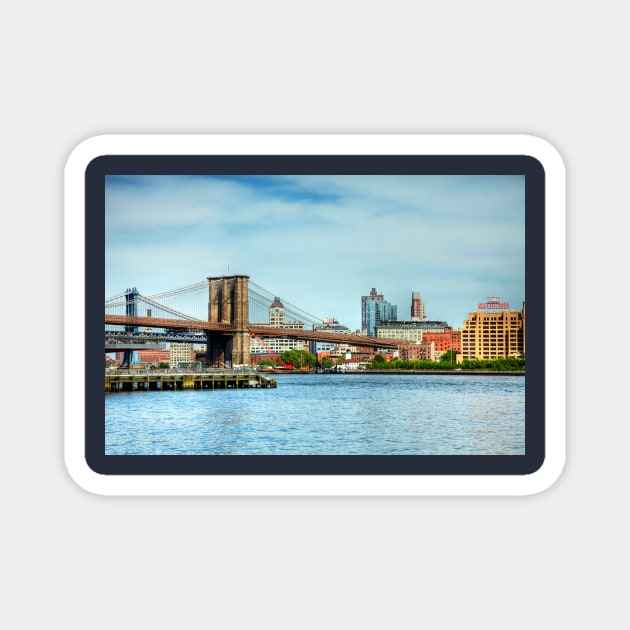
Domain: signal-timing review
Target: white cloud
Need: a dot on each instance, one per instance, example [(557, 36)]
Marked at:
[(323, 241)]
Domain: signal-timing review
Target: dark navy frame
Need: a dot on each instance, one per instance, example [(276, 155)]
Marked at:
[(528, 463)]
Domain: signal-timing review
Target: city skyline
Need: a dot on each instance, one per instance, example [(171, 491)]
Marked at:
[(323, 241)]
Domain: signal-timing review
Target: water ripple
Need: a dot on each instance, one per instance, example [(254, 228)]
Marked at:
[(326, 415)]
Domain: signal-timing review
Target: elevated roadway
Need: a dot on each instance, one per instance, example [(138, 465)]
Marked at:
[(263, 331)]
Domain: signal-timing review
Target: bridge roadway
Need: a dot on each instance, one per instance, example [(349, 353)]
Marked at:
[(264, 331)]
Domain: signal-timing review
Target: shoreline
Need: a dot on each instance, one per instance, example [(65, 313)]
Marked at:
[(440, 372), (426, 372)]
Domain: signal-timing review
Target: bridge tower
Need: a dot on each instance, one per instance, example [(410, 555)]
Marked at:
[(131, 310), (228, 303)]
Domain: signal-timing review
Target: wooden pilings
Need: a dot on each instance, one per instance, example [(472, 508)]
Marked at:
[(185, 381)]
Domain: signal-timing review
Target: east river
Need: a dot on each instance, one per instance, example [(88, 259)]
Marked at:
[(325, 414)]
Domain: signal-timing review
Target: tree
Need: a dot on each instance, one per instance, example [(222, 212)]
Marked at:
[(450, 356), (270, 362), (298, 358), (327, 362)]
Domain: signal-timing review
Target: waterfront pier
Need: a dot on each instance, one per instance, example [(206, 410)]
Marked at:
[(186, 381)]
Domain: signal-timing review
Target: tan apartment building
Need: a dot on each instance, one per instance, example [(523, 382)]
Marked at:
[(493, 335), (180, 353)]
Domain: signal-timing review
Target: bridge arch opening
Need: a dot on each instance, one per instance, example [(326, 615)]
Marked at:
[(228, 303)]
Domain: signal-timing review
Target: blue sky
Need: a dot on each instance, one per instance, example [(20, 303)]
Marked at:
[(321, 242)]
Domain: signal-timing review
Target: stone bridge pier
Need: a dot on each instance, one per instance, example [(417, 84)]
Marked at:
[(228, 303)]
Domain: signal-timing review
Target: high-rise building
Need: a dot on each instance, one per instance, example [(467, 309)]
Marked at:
[(180, 353), (493, 335), (277, 345), (418, 311), (276, 313), (409, 330), (374, 310)]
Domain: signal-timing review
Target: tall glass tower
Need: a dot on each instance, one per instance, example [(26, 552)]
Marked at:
[(374, 310)]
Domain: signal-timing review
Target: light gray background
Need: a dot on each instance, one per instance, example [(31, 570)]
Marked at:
[(73, 70)]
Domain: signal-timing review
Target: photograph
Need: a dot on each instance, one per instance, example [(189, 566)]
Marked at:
[(315, 314)]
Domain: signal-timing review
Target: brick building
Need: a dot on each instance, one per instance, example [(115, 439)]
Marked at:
[(417, 351), (153, 357), (444, 341), (409, 330)]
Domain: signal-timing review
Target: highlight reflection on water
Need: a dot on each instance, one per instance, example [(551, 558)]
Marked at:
[(326, 415)]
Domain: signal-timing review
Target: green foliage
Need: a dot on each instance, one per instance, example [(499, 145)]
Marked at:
[(299, 358), (327, 362), (497, 365), (269, 362), (450, 356)]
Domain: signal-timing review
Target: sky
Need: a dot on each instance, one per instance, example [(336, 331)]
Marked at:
[(320, 242)]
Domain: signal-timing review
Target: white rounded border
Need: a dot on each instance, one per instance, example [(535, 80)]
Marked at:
[(313, 144)]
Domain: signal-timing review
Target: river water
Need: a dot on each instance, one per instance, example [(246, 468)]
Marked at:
[(326, 414)]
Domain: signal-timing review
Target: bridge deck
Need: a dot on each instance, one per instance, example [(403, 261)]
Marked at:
[(263, 331)]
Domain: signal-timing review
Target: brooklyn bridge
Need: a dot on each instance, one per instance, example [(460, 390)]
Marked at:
[(222, 312)]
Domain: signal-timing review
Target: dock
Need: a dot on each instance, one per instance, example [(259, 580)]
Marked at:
[(148, 382)]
